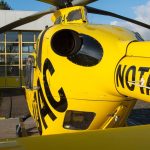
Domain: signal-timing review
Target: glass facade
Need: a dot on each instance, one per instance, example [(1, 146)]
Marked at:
[(15, 47), (2, 47)]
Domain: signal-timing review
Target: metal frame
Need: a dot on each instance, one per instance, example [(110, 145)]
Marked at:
[(20, 53)]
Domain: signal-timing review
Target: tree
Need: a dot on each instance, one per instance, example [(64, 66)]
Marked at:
[(4, 5)]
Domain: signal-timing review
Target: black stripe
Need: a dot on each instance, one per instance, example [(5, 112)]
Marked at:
[(62, 104), (45, 110)]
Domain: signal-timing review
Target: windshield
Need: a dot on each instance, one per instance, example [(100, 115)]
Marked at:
[(74, 15)]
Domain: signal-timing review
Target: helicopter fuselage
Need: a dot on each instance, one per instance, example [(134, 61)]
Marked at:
[(74, 80)]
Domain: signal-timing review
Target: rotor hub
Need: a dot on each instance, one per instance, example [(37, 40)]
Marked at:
[(68, 3)]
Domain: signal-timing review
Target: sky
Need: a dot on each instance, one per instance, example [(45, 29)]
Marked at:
[(136, 9)]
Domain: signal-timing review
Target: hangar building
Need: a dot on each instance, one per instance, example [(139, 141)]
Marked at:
[(16, 45)]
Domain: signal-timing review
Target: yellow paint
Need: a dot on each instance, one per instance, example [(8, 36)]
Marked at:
[(86, 88), (99, 89), (139, 49), (137, 63), (10, 82), (131, 138), (2, 82), (13, 82), (63, 13)]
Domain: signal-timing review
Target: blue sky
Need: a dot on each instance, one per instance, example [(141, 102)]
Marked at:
[(123, 7)]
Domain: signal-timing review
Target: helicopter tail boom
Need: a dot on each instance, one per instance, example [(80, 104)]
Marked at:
[(134, 80)]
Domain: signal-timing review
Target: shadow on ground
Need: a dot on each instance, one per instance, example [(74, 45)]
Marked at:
[(139, 117), (11, 92), (13, 103)]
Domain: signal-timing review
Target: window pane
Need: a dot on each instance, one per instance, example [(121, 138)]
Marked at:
[(12, 36), (27, 36), (78, 120), (27, 48), (12, 48), (2, 59), (2, 71), (36, 35), (12, 59), (58, 20), (24, 58), (24, 71), (2, 48), (74, 15), (2, 38), (12, 71)]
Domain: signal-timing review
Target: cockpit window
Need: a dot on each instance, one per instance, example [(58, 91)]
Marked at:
[(138, 36), (58, 20), (74, 15), (90, 53)]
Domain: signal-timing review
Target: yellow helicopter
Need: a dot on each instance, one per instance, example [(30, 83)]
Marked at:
[(84, 76)]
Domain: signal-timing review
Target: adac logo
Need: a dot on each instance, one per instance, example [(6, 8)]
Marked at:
[(43, 105)]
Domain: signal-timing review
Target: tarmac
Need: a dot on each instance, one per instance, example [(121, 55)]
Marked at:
[(8, 128), (13, 105)]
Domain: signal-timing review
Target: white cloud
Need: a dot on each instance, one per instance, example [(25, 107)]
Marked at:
[(142, 13), (114, 23)]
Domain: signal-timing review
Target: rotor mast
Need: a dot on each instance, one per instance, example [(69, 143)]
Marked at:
[(68, 3)]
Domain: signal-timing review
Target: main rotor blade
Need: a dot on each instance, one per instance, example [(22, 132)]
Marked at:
[(25, 20), (61, 3), (58, 3), (107, 13), (82, 2)]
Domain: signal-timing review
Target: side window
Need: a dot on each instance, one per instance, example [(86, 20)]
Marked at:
[(29, 72), (58, 20), (90, 53), (138, 36), (74, 15)]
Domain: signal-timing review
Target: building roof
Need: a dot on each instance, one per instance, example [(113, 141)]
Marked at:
[(8, 16)]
